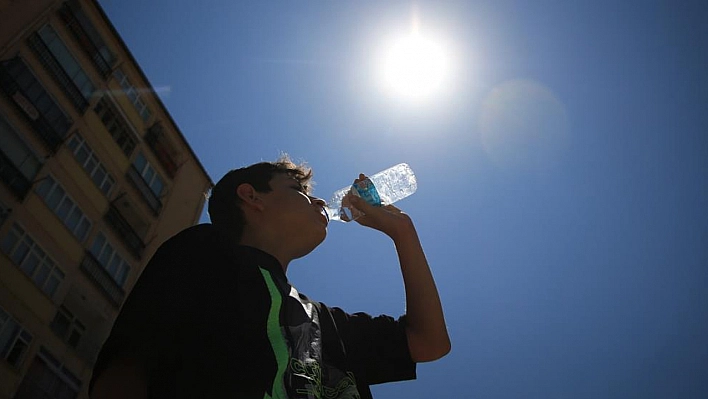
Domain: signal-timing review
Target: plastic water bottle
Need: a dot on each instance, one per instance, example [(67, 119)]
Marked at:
[(383, 188)]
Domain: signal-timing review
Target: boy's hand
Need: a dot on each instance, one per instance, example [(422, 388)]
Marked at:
[(387, 219)]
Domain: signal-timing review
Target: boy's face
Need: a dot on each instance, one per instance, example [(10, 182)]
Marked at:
[(300, 217)]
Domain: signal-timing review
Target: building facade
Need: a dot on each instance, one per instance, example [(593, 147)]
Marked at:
[(95, 176)]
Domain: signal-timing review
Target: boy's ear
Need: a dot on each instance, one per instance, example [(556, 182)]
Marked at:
[(249, 196)]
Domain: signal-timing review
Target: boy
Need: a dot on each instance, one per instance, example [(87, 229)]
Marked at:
[(213, 314)]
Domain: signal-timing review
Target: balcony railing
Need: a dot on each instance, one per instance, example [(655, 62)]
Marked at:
[(84, 40), (50, 131), (96, 273), (120, 130), (126, 232), (156, 141), (57, 72), (13, 178), (146, 193)]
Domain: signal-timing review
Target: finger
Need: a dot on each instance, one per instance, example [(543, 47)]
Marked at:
[(367, 209), (360, 178), (392, 209), (359, 203), (344, 217)]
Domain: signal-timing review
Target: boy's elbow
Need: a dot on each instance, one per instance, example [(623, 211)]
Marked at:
[(440, 351), (430, 351)]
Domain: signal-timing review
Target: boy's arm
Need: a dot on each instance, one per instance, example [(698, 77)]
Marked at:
[(425, 327)]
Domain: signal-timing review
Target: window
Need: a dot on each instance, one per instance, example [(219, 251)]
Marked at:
[(39, 108), (87, 36), (116, 125), (166, 153), (63, 67), (14, 340), (17, 151), (149, 174), (121, 224), (109, 258), (67, 327), (32, 260), (64, 207), (85, 156), (47, 377), (18, 163), (147, 181), (133, 94)]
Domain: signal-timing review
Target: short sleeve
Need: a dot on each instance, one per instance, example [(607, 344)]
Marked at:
[(159, 313), (376, 347)]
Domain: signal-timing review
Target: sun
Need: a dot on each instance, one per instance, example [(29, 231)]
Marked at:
[(414, 67)]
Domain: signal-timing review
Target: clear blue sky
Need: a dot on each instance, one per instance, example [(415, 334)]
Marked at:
[(563, 177)]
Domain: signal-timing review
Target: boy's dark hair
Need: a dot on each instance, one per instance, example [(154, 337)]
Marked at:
[(224, 205)]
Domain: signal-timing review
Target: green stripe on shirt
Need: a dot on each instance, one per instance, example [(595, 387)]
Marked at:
[(275, 336)]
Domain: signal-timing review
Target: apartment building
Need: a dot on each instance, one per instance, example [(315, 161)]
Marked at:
[(95, 176)]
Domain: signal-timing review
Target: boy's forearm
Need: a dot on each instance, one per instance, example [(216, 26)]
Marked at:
[(426, 330), (427, 334)]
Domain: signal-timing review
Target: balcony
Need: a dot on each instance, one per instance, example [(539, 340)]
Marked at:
[(84, 39), (163, 150), (47, 120), (58, 73), (125, 231), (96, 273), (146, 193), (13, 178), (120, 130)]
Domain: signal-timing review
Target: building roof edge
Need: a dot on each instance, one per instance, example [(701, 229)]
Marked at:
[(145, 78)]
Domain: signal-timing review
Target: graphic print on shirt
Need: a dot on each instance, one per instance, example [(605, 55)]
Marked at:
[(306, 375)]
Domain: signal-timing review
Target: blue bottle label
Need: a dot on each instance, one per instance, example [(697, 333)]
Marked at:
[(367, 191)]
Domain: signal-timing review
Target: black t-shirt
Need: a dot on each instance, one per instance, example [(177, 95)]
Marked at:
[(208, 319)]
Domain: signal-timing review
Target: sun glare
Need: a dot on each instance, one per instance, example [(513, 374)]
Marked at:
[(414, 67)]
